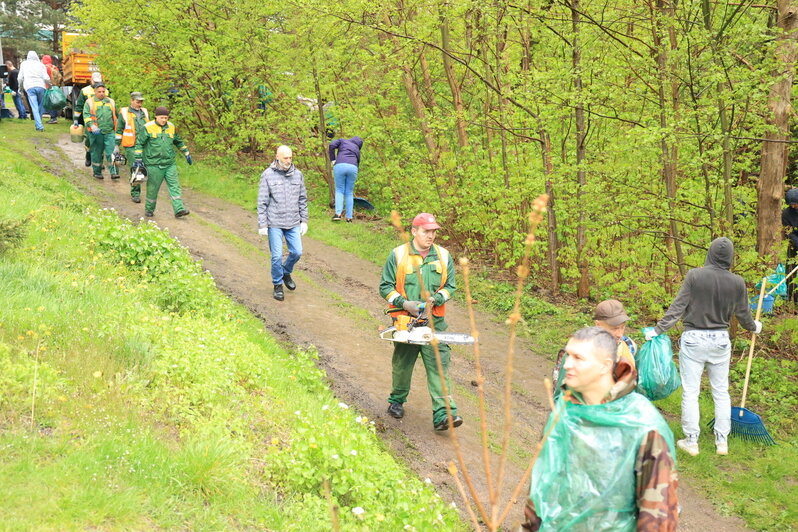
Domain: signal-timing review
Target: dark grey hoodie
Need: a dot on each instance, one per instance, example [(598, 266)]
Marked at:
[(711, 294)]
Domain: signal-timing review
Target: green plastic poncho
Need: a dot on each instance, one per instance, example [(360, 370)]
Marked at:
[(584, 478)]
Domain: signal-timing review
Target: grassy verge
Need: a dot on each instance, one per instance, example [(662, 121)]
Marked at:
[(134, 395), (754, 482)]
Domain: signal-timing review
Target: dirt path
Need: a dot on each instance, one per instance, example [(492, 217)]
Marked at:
[(336, 308)]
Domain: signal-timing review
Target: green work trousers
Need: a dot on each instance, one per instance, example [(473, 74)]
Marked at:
[(404, 359), (135, 190), (155, 176), (102, 147)]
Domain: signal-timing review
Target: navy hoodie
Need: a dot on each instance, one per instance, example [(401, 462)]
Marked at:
[(348, 150), (711, 294)]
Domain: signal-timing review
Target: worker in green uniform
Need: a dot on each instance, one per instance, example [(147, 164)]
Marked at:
[(99, 115), (130, 120), (408, 265), (155, 150), (86, 93)]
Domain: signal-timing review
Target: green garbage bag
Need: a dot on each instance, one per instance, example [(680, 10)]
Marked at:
[(657, 374), (54, 99), (773, 280), (577, 483)]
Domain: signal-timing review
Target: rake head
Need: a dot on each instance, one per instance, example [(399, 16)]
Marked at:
[(747, 426)]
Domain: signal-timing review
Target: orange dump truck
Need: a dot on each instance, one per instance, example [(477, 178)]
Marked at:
[(78, 66)]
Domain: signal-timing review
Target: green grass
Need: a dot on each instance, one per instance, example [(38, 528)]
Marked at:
[(134, 395)]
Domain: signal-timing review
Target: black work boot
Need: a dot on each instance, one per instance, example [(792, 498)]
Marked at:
[(396, 410), (181, 213), (289, 283), (444, 425), (88, 159), (279, 295)]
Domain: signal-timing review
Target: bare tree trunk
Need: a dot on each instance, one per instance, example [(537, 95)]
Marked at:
[(454, 86), (583, 287), (728, 200), (554, 241), (422, 61), (670, 151), (770, 189), (323, 135), (499, 71), (487, 106)]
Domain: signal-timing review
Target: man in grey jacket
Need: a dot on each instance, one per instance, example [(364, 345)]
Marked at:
[(283, 214), (706, 301)]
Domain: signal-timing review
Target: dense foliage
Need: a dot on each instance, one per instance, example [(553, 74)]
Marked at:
[(642, 119)]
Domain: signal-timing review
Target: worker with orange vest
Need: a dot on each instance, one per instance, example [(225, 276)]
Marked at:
[(99, 115), (409, 266), (129, 122)]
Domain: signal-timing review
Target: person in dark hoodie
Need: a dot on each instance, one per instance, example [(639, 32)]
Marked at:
[(345, 167), (708, 298), (789, 219)]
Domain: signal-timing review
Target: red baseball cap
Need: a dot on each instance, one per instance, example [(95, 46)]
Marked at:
[(426, 221)]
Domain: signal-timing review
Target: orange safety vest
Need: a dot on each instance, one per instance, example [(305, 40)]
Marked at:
[(93, 110), (407, 262), (129, 134)]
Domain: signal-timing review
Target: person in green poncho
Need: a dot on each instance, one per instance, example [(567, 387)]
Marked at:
[(608, 462)]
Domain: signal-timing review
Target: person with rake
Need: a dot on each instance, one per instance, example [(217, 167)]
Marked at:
[(708, 298)]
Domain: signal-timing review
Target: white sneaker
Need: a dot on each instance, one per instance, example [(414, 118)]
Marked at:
[(721, 448), (688, 446)]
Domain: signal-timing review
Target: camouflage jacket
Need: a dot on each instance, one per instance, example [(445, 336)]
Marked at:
[(656, 479)]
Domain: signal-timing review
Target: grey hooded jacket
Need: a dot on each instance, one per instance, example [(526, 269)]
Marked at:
[(711, 294), (282, 198)]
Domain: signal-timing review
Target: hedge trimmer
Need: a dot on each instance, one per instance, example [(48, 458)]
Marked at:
[(416, 330)]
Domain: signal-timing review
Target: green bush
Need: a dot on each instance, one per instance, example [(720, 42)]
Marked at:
[(12, 232)]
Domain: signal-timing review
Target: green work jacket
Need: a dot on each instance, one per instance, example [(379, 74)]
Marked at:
[(106, 114), (431, 273), (155, 144)]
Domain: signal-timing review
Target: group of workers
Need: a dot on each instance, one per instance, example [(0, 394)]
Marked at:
[(609, 460), (150, 146)]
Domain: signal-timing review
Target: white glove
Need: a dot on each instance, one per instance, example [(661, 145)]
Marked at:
[(264, 231), (303, 228), (651, 333), (758, 328)]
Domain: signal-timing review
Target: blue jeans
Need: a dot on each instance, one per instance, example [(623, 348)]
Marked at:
[(36, 100), (18, 103), (345, 176), (294, 242), (701, 349)]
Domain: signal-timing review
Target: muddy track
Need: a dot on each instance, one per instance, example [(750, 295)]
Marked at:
[(337, 310)]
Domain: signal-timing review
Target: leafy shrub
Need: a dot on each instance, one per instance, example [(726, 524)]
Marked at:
[(12, 232), (183, 285)]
